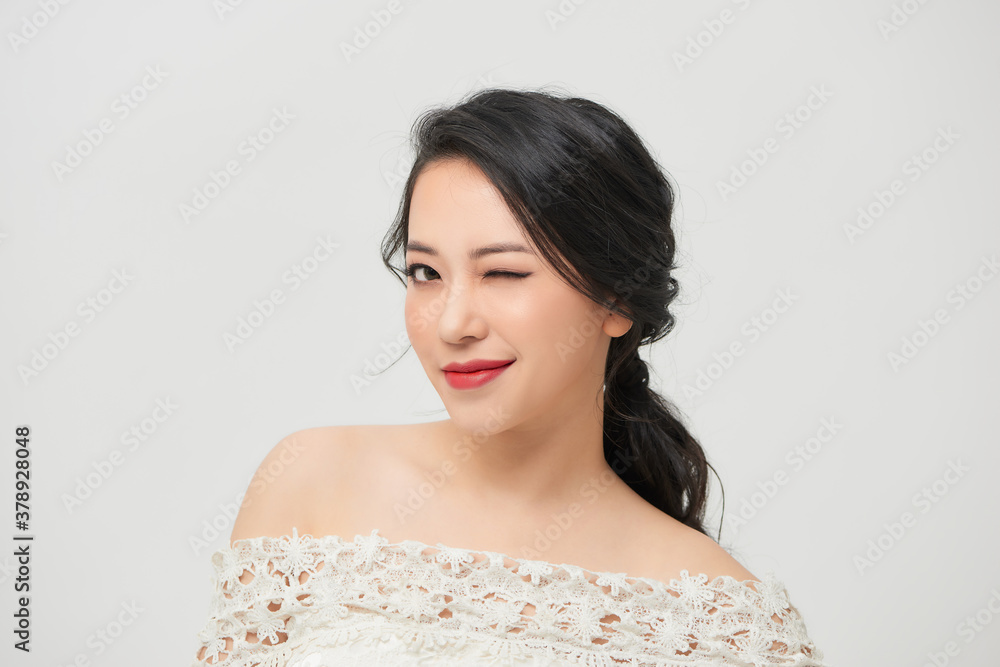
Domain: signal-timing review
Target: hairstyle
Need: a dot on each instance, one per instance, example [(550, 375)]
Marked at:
[(583, 186)]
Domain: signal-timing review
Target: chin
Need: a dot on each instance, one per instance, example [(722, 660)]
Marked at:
[(479, 418)]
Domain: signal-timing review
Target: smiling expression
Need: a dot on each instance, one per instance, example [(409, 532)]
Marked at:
[(478, 289)]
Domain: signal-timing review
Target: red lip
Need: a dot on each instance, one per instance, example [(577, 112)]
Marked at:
[(484, 373), (476, 365)]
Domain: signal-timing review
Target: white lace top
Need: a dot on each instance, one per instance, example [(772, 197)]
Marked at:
[(327, 602)]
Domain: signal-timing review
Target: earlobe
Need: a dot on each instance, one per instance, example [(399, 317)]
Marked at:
[(626, 322), (615, 324)]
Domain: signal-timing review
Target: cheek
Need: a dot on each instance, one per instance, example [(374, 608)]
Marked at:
[(556, 323), (417, 316)]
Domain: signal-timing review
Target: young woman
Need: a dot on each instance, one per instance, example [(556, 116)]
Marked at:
[(563, 497)]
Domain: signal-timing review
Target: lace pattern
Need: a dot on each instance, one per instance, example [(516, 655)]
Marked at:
[(305, 591)]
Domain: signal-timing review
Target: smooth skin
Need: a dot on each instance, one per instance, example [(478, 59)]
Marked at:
[(542, 454)]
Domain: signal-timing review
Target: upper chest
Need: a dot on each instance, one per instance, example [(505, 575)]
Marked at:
[(402, 485)]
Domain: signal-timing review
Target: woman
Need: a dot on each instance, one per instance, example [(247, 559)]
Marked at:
[(563, 495)]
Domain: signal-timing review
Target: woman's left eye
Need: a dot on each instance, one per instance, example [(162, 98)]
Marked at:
[(509, 274)]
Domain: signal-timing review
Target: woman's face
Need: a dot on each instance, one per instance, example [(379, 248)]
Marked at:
[(460, 308)]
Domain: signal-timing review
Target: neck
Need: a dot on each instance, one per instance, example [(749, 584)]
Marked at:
[(542, 464)]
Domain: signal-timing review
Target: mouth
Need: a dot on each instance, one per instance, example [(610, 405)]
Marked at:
[(476, 365), (483, 373)]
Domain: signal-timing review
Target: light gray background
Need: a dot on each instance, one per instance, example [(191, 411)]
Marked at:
[(335, 170)]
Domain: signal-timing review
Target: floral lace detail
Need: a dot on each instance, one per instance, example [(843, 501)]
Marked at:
[(310, 593)]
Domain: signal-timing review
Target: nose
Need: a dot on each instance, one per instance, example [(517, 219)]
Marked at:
[(460, 316)]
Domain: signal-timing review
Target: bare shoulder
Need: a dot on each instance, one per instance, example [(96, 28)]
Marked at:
[(295, 476), (661, 547), (710, 558), (691, 550)]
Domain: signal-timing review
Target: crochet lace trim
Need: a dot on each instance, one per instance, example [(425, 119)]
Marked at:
[(305, 586)]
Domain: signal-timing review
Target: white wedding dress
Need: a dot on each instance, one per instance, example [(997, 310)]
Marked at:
[(328, 602)]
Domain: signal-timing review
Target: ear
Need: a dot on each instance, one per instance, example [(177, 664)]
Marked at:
[(615, 324)]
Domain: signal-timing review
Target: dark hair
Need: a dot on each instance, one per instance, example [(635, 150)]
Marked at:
[(584, 187)]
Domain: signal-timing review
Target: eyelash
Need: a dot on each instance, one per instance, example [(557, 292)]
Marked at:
[(412, 268)]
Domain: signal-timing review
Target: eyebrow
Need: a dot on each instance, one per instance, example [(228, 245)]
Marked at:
[(474, 254)]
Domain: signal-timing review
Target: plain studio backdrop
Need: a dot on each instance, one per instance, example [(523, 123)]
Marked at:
[(193, 197)]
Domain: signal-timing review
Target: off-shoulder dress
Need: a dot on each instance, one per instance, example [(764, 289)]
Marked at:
[(328, 602)]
